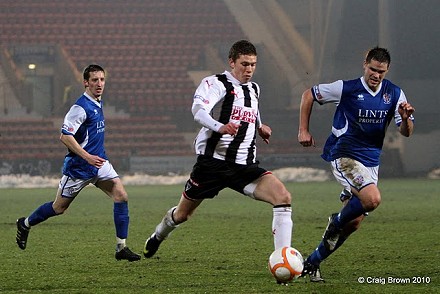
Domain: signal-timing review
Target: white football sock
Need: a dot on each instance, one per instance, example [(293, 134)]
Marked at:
[(282, 226), (26, 222), (120, 244), (166, 226)]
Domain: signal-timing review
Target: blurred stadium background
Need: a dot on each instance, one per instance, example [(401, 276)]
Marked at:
[(156, 52)]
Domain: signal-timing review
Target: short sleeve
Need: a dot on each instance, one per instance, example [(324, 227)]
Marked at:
[(326, 93), (73, 120)]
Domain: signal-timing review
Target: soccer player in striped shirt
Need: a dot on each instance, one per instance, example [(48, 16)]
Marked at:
[(365, 108), (226, 150), (85, 163)]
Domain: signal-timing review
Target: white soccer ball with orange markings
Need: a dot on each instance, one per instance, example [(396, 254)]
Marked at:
[(286, 264)]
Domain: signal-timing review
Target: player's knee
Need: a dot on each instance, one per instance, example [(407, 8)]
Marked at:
[(372, 202), (376, 202), (283, 197), (120, 197), (286, 196), (370, 197)]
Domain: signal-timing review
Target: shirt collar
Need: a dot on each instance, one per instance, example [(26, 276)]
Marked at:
[(233, 79), (368, 88), (97, 102)]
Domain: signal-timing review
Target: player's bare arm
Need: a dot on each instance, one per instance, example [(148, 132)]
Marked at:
[(73, 146), (406, 127), (304, 137)]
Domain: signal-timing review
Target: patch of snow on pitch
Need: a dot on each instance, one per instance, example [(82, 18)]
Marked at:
[(301, 174), (27, 181)]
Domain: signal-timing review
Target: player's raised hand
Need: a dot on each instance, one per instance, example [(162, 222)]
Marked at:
[(230, 128), (306, 139), (405, 110)]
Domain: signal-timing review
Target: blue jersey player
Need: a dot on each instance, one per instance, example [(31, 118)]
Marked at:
[(365, 108), (85, 163)]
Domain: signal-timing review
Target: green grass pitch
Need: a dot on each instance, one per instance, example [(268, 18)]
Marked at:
[(225, 247)]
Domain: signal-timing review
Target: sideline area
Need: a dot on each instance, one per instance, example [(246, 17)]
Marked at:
[(297, 174)]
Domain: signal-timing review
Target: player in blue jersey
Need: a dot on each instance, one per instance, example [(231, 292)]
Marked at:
[(226, 150), (85, 163), (365, 108)]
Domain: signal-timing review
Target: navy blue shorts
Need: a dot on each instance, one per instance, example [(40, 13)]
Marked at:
[(210, 175)]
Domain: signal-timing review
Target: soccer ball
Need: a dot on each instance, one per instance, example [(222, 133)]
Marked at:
[(286, 264)]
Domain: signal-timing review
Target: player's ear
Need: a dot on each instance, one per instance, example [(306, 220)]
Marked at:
[(365, 65), (231, 63)]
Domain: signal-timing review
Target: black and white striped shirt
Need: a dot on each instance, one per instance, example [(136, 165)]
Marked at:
[(234, 102)]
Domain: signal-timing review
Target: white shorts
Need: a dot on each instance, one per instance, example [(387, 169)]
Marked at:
[(351, 173), (71, 187)]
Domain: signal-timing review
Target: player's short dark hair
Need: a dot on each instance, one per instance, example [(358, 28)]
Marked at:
[(91, 68), (242, 47), (379, 54)]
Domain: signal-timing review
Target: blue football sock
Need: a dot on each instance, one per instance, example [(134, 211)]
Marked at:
[(41, 214), (121, 219), (349, 212), (321, 253)]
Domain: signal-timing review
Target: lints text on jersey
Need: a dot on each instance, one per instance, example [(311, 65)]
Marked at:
[(244, 114), (372, 116), (100, 126)]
